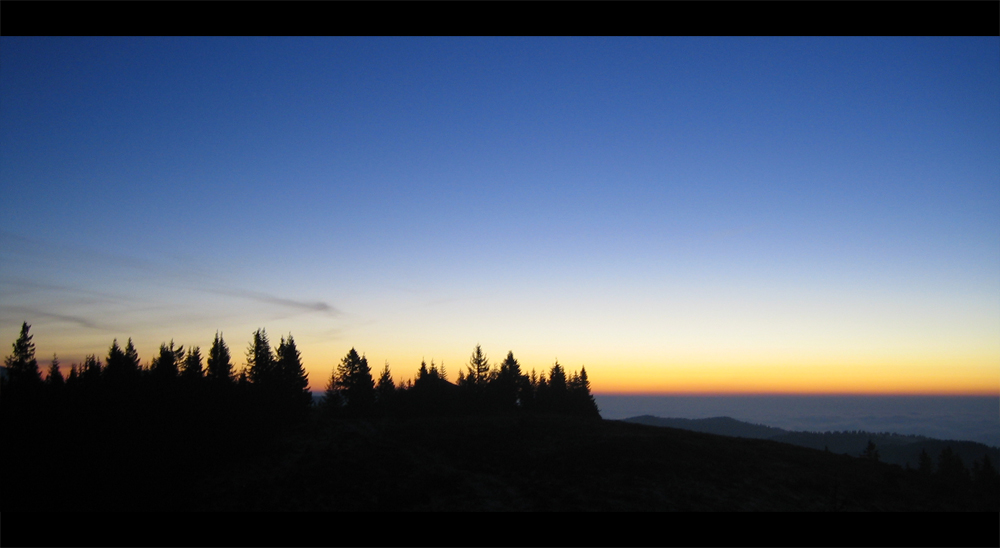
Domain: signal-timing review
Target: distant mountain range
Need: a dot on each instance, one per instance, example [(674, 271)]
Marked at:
[(893, 448)]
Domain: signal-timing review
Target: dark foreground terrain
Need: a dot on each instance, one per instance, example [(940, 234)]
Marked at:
[(520, 463), (558, 463)]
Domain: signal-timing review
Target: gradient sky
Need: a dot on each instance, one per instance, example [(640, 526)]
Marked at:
[(680, 215)]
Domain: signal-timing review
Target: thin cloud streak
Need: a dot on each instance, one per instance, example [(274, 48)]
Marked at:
[(27, 247), (318, 306), (83, 322)]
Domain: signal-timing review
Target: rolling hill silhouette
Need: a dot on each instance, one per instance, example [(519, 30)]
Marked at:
[(900, 449)]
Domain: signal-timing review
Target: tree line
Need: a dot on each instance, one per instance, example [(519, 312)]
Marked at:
[(275, 383), (482, 388)]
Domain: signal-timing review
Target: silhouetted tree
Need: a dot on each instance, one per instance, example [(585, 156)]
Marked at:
[(132, 358), (192, 368), (870, 452), (422, 373), (352, 386), (165, 366), (55, 379), (73, 377), (260, 360), (220, 368), (985, 475), (508, 382), (950, 467), (294, 380), (552, 395), (119, 367), (925, 465), (385, 389), (22, 368), (479, 368), (581, 400), (90, 371), (543, 403)]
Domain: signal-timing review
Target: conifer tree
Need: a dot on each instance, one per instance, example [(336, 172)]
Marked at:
[(116, 365), (192, 368), (556, 390), (985, 475), (73, 377), (925, 465), (22, 368), (950, 467), (870, 452), (385, 383), (508, 381), (385, 389), (352, 386), (582, 401), (294, 379), (165, 365), (55, 379), (90, 371), (422, 373), (220, 368), (132, 358), (260, 360), (479, 368)]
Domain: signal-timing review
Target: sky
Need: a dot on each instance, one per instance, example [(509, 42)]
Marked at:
[(679, 215)]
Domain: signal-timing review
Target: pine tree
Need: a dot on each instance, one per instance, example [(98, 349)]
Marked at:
[(950, 467), (479, 368), (192, 368), (422, 373), (132, 358), (294, 379), (870, 452), (220, 368), (260, 360), (55, 379), (165, 365), (22, 368), (90, 371), (385, 389), (508, 381), (352, 386), (73, 377), (117, 364), (925, 465), (582, 401), (556, 390)]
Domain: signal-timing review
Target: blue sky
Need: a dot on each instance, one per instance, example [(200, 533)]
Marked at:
[(669, 209)]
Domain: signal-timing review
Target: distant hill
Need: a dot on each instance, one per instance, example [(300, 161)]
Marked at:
[(893, 448)]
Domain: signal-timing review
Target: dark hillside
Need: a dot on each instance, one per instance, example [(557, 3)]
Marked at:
[(893, 448), (561, 463)]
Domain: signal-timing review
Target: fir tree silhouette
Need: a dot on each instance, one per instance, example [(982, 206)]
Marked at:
[(295, 381), (22, 367), (261, 367), (351, 385), (192, 368), (508, 383), (220, 368), (870, 452), (385, 389), (55, 379), (581, 400), (90, 371), (479, 368), (165, 366), (925, 465)]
